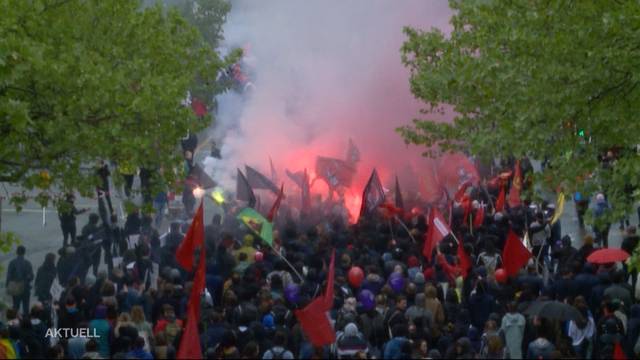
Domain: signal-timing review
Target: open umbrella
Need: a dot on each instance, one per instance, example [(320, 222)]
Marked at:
[(604, 256), (554, 310)]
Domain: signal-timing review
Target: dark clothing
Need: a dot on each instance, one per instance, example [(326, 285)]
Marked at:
[(584, 283), (21, 271), (132, 224), (69, 318), (44, 278), (189, 143), (67, 215), (629, 243), (480, 306)]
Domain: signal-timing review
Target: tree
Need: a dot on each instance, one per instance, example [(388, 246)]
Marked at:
[(85, 80), (527, 78), (208, 16)]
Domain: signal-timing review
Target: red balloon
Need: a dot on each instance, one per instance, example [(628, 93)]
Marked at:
[(356, 276), (259, 256), (501, 276)]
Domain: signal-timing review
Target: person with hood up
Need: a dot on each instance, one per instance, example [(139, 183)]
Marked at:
[(350, 341), (394, 347), (512, 328), (418, 310), (462, 349)]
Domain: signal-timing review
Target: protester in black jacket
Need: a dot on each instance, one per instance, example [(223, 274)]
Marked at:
[(19, 278), (44, 278)]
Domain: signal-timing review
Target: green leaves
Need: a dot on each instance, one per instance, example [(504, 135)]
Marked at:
[(87, 80), (522, 78)]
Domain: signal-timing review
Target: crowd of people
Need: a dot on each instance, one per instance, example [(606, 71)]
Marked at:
[(404, 306)]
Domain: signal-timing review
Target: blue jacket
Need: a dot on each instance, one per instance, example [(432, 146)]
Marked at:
[(393, 349), (139, 353)]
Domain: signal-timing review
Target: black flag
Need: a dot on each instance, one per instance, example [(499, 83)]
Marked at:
[(203, 179), (259, 181), (372, 196), (399, 200), (335, 172), (296, 177), (244, 191)]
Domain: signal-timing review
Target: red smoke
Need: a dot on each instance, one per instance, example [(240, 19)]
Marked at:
[(324, 72)]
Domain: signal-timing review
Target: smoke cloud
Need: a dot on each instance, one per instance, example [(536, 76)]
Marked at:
[(323, 72)]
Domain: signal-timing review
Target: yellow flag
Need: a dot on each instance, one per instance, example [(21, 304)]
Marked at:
[(559, 208)]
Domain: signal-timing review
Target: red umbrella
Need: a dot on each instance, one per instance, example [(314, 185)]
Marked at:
[(604, 256)]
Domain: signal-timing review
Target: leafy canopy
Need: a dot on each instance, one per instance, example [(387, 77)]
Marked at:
[(85, 80), (524, 78)]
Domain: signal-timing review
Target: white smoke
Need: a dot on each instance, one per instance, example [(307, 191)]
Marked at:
[(324, 71)]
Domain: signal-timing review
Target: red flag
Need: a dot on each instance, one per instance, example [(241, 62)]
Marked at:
[(478, 219), (461, 191), (194, 238), (315, 323), (466, 206), (328, 293), (515, 255), (516, 186), (190, 342), (199, 108), (618, 353), (314, 319), (465, 262), (437, 231), (500, 200), (276, 204), (373, 195), (391, 211)]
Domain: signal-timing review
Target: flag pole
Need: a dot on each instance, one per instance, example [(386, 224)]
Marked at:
[(288, 263), (405, 227)]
